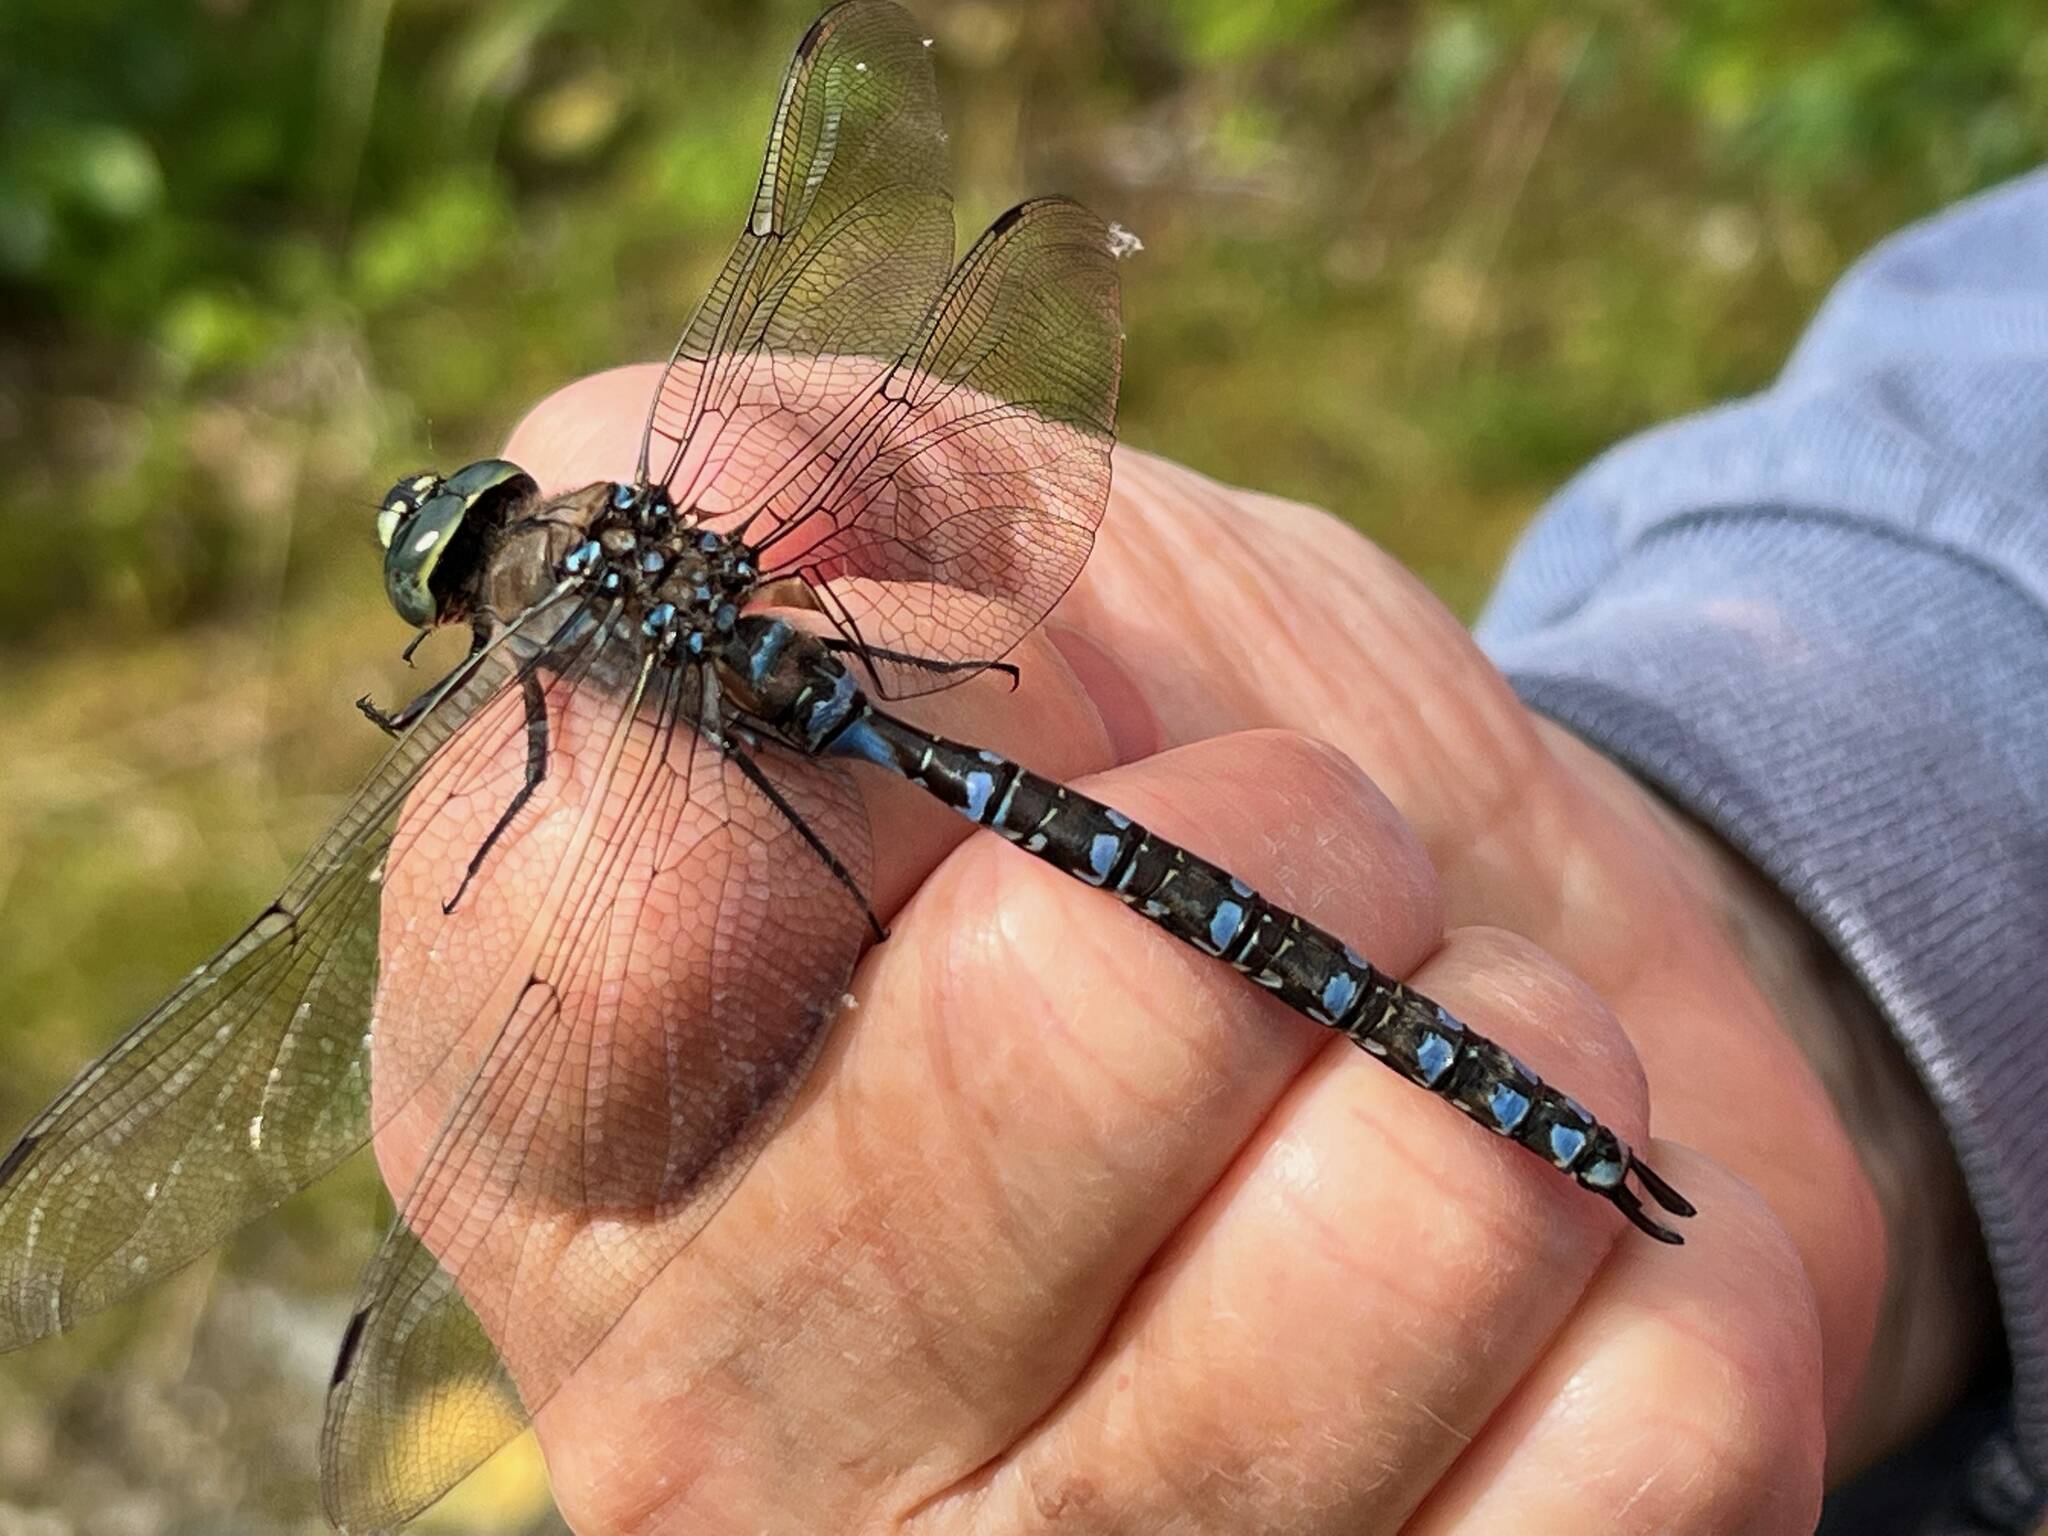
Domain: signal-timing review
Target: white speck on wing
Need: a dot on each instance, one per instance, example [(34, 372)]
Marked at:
[(256, 1133), (426, 541), (1123, 243)]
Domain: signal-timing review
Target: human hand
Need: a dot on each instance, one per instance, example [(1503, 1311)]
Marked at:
[(1072, 1225)]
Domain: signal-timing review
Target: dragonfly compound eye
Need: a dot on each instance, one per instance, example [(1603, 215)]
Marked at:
[(402, 500), (434, 547)]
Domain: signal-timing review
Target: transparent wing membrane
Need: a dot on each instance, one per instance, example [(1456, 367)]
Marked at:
[(967, 501), (847, 242), (937, 447), (244, 1085), (930, 452), (683, 967)]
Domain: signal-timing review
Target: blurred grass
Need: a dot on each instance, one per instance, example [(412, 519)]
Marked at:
[(1413, 261)]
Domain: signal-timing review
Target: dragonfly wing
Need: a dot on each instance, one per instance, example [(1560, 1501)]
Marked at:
[(848, 239), (971, 503), (420, 1396), (934, 450), (245, 1084), (687, 955)]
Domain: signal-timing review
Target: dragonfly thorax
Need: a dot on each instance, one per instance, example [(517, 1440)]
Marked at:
[(650, 570)]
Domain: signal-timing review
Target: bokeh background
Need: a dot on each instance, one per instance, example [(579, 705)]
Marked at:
[(1413, 261)]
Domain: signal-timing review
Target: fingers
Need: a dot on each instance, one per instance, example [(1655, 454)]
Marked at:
[(1683, 1397), (1208, 595), (1405, 1266), (585, 431), (1036, 1089), (1379, 1298)]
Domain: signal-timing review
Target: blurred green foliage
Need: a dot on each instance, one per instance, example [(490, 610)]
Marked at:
[(253, 256), (1414, 261)]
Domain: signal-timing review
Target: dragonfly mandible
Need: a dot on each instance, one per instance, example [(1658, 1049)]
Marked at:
[(914, 455)]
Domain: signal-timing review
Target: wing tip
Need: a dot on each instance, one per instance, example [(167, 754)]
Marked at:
[(19, 1154), (1115, 239), (351, 1342), (836, 16)]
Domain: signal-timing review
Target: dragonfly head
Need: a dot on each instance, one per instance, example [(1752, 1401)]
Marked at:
[(432, 532)]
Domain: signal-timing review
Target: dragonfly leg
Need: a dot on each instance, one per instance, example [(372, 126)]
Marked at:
[(393, 725), (536, 772), (398, 724), (744, 761), (871, 654), (850, 641)]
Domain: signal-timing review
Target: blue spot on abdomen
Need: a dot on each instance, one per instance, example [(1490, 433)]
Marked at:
[(980, 788), (1434, 1057), (1102, 854), (1566, 1143), (861, 740), (1605, 1174), (1225, 923), (826, 715), (1509, 1105), (1339, 993)]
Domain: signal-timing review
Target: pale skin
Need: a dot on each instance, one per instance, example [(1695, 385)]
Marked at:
[(1074, 1229)]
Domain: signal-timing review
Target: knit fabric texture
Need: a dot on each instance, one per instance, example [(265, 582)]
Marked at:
[(1818, 619)]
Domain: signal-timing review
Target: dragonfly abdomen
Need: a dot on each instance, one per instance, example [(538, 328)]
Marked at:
[(1308, 968)]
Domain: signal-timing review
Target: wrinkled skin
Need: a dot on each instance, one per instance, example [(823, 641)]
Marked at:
[(1074, 1229)]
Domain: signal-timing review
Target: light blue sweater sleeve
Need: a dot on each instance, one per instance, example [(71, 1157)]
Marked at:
[(1818, 619)]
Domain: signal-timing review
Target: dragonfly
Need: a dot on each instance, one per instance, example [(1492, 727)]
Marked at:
[(866, 473)]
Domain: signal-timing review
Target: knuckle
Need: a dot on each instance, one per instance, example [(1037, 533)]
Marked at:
[(1528, 999), (1734, 1430), (1307, 771), (1302, 821)]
